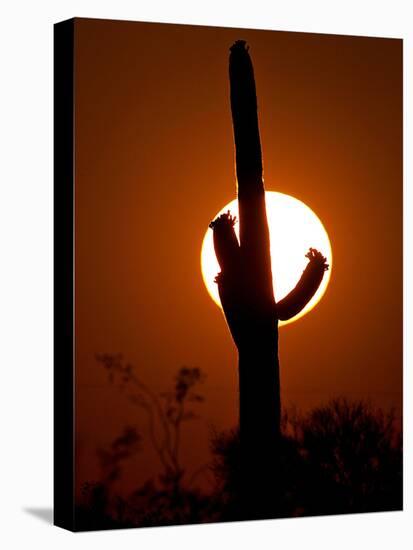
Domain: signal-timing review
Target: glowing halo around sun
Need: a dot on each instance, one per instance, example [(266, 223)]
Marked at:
[(294, 228)]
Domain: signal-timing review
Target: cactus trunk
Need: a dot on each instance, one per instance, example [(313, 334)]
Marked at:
[(246, 291), (258, 345)]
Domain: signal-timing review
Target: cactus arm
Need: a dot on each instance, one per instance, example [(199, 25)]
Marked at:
[(229, 294), (306, 287), (225, 242), (227, 251)]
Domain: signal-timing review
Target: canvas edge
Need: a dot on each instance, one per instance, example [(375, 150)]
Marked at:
[(63, 265)]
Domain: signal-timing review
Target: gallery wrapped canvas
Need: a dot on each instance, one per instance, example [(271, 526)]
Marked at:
[(228, 274)]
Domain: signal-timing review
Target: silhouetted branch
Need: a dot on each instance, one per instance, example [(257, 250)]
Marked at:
[(170, 416), (121, 448), (202, 469)]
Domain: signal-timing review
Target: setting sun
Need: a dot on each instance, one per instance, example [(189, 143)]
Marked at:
[(294, 228)]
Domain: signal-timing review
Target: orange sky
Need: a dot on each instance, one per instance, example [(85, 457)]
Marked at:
[(154, 163)]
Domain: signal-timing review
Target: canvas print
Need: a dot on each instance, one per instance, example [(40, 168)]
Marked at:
[(228, 284)]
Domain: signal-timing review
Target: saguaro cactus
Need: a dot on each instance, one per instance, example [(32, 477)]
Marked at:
[(245, 282)]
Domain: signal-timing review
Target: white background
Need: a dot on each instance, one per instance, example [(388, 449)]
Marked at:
[(26, 283)]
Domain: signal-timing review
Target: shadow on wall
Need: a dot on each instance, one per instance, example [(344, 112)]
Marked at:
[(44, 514)]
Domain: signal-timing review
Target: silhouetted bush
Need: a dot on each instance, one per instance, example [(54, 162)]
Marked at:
[(353, 459), (343, 457), (168, 499)]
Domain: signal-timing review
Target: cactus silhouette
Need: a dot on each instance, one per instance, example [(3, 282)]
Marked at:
[(245, 281)]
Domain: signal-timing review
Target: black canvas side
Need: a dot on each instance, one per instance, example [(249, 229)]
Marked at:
[(63, 274)]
